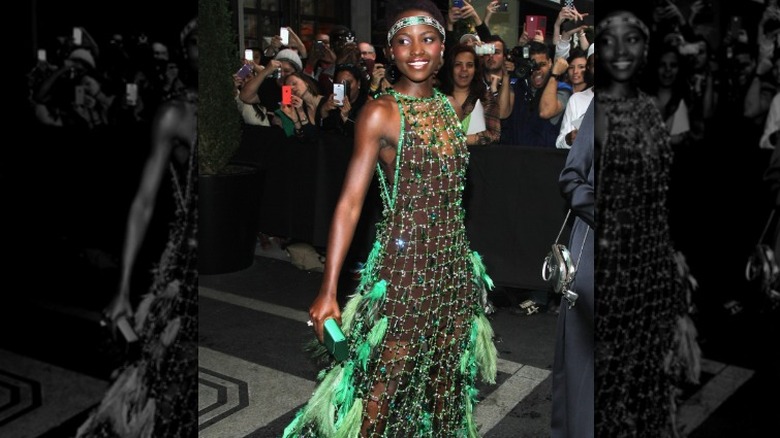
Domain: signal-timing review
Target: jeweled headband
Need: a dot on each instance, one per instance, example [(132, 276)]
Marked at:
[(624, 17), (413, 21)]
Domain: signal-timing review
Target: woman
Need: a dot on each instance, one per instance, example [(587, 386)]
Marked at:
[(158, 391), (640, 298), (298, 117), (464, 87), (668, 88), (577, 75), (416, 327)]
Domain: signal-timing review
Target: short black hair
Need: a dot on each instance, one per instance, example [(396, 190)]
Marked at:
[(535, 48), (395, 9)]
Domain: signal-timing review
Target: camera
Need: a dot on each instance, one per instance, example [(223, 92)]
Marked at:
[(485, 49), (524, 64)]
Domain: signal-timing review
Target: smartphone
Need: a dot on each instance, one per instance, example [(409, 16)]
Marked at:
[(338, 94), (42, 55), (285, 34), (249, 55), (534, 23), (457, 3), (286, 95), (503, 7), (77, 36), (131, 94), (79, 94), (244, 71), (369, 63)]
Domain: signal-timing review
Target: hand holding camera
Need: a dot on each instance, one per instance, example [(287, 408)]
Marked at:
[(377, 75)]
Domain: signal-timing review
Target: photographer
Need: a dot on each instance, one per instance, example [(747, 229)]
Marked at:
[(540, 97)]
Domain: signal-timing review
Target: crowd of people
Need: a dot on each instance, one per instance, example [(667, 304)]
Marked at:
[(480, 71), (86, 84)]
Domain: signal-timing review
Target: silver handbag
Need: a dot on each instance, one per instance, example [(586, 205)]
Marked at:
[(558, 268)]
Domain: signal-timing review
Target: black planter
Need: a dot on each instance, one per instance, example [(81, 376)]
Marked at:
[(227, 219)]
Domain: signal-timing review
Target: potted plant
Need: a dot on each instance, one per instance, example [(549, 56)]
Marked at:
[(227, 192)]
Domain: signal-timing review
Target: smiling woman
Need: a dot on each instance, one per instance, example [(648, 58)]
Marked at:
[(416, 327), (641, 300)]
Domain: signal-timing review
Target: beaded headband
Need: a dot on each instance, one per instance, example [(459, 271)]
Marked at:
[(413, 21), (626, 18)]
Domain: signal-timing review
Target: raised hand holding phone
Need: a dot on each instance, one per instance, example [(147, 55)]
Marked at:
[(338, 94), (244, 71), (284, 34), (249, 55)]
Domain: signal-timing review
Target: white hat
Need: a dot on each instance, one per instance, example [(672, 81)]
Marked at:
[(82, 55), (590, 50), (290, 56), (469, 36)]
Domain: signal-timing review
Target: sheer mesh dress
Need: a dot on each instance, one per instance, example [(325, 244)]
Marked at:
[(639, 294), (156, 395), (417, 331)]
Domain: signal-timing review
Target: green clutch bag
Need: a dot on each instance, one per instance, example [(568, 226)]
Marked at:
[(335, 341)]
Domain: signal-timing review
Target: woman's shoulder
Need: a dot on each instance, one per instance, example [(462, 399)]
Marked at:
[(382, 106)]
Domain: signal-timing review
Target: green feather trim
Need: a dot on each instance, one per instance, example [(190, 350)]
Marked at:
[(350, 427), (367, 273), (473, 393), (378, 332), (320, 409), (470, 426), (318, 353), (464, 361), (321, 375), (480, 272), (344, 391), (348, 315), (363, 351), (294, 427), (377, 292), (485, 350)]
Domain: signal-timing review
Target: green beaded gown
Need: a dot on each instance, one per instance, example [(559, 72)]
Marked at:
[(640, 293), (155, 395), (418, 335)]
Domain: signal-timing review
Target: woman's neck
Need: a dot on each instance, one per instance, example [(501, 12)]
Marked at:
[(618, 90), (414, 89), (460, 94), (579, 87)]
